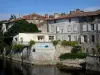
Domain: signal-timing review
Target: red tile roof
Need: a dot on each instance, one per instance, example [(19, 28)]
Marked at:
[(77, 14), (32, 16)]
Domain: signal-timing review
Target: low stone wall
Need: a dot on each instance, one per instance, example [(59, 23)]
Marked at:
[(29, 58), (61, 50), (93, 63)]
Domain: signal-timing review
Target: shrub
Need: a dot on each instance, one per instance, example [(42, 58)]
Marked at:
[(65, 43), (98, 48), (69, 43), (72, 56), (74, 43), (17, 47), (55, 42), (32, 43), (76, 49)]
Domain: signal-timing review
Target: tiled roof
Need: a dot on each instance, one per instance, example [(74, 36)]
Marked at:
[(77, 14), (32, 16)]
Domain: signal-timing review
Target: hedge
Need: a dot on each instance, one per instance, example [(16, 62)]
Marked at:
[(73, 56)]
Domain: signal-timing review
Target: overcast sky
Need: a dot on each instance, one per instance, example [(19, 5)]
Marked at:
[(23, 7)]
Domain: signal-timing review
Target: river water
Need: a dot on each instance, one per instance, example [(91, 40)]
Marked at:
[(7, 67)]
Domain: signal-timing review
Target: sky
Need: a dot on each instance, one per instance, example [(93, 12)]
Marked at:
[(23, 7)]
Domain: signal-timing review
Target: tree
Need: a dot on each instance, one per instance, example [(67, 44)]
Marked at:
[(55, 42), (12, 17), (31, 43), (21, 26)]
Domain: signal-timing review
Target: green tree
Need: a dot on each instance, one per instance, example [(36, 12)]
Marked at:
[(21, 26), (31, 43), (55, 42)]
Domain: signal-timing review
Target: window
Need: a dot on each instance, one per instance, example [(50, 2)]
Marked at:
[(69, 36), (61, 30), (21, 40), (75, 37), (33, 50), (84, 27), (40, 37), (51, 37), (69, 20), (87, 50), (54, 21), (85, 38), (92, 26), (93, 51), (93, 38), (69, 28), (15, 39)]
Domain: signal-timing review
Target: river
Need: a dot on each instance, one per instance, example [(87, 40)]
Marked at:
[(7, 67)]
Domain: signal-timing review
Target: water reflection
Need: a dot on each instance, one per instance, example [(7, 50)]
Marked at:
[(16, 68)]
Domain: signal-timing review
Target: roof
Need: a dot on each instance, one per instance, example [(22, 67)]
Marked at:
[(33, 16), (76, 13)]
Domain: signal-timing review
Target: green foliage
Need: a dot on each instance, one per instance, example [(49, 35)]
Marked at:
[(72, 56), (12, 17), (68, 43), (17, 47), (32, 43), (21, 26), (65, 43), (98, 48), (55, 42), (76, 49)]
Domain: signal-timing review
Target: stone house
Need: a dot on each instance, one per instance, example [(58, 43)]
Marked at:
[(31, 18), (66, 27)]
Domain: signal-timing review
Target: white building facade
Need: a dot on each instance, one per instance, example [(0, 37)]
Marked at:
[(25, 38)]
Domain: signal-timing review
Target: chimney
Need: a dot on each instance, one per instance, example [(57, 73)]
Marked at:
[(56, 15), (46, 16)]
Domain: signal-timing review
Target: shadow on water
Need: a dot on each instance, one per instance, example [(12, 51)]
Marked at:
[(16, 68)]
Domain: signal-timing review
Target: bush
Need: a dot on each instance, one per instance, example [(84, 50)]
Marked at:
[(72, 56), (17, 47), (76, 49), (31, 43), (74, 43), (55, 42), (65, 43), (69, 43)]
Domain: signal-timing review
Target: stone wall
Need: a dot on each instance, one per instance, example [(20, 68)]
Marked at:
[(93, 63)]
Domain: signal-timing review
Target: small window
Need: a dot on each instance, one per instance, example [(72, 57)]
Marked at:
[(33, 50), (51, 37), (93, 51), (54, 21), (69, 36), (69, 28), (21, 40), (92, 26), (85, 38), (93, 38), (69, 20), (40, 37), (16, 39), (62, 30)]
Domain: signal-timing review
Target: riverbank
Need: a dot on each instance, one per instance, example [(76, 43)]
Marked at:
[(69, 64)]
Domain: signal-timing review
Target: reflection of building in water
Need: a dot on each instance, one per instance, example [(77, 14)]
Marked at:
[(27, 69)]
